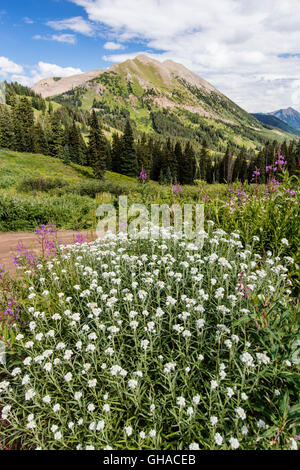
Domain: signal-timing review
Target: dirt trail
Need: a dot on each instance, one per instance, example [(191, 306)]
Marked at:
[(10, 241)]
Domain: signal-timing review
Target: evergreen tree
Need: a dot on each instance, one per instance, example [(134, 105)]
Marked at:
[(128, 158), (116, 153), (187, 167), (108, 162), (240, 167), (97, 148), (66, 155), (24, 130), (56, 137), (204, 162), (76, 145), (225, 168), (144, 154), (178, 155), (40, 139), (7, 136), (156, 157), (50, 109)]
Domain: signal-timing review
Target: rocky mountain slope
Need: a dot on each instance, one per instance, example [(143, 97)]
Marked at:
[(289, 115), (159, 97)]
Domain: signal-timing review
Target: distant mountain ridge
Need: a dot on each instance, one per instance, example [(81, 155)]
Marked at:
[(289, 115), (273, 121)]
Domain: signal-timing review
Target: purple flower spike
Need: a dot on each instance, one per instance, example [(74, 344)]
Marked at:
[(143, 175)]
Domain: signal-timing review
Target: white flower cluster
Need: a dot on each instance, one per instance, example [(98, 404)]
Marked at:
[(143, 340)]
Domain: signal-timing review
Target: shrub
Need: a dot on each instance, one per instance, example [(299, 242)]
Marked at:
[(154, 344), (68, 212), (41, 184)]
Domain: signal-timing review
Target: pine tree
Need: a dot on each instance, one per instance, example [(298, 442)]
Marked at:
[(41, 140), (128, 158), (225, 168), (97, 148), (204, 162), (108, 161), (66, 155), (56, 137), (240, 167), (187, 166), (178, 157), (156, 157), (7, 136), (50, 109), (116, 153), (76, 145), (24, 130), (144, 154)]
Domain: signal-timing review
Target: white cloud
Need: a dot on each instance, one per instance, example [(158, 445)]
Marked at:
[(23, 79), (14, 72), (65, 38), (8, 67), (113, 46), (238, 45), (28, 20), (76, 24), (45, 70)]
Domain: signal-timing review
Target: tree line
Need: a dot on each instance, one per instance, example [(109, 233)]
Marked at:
[(78, 137)]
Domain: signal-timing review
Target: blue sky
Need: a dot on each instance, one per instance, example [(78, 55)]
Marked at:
[(27, 38), (248, 49)]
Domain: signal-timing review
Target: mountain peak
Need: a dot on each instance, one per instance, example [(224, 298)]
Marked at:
[(289, 115), (145, 86)]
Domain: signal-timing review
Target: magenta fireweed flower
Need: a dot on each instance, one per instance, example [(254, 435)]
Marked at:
[(45, 229), (206, 198), (280, 162), (177, 189), (291, 192), (24, 254), (143, 175), (274, 184), (79, 239), (255, 175)]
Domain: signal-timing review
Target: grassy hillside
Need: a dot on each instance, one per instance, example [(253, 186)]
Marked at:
[(15, 166)]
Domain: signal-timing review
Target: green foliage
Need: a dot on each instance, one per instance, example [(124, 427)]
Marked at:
[(115, 83), (24, 214), (41, 184)]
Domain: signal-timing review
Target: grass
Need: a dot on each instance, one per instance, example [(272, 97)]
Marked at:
[(15, 166)]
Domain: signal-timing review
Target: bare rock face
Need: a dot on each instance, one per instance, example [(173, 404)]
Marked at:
[(57, 86)]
